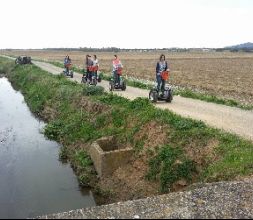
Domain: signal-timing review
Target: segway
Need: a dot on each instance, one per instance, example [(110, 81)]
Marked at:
[(167, 95), (67, 71), (119, 84)]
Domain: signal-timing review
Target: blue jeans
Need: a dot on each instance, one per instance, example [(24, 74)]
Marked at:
[(160, 83), (95, 74), (116, 77), (89, 75), (66, 68)]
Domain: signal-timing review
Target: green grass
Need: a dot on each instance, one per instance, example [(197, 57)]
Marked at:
[(164, 166), (84, 164), (76, 125), (6, 65), (83, 158), (61, 65), (211, 98), (93, 90)]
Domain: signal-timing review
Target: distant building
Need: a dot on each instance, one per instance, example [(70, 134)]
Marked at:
[(206, 50)]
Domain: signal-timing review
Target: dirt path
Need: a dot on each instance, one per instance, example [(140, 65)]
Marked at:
[(230, 119)]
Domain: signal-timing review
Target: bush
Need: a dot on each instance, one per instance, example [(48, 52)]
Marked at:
[(112, 99), (93, 90), (83, 159), (169, 166), (140, 104), (53, 130)]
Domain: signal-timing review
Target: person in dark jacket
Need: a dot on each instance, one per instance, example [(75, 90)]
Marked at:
[(88, 65), (67, 63), (161, 66)]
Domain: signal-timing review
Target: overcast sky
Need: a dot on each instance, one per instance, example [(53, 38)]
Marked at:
[(125, 23)]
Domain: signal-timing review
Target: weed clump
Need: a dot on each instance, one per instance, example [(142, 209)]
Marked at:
[(53, 130), (140, 104), (93, 90), (170, 165), (6, 66)]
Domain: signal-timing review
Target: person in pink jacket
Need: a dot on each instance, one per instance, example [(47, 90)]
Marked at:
[(116, 69)]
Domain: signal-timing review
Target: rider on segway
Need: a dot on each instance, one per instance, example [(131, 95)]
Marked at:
[(67, 64), (161, 74), (117, 70), (117, 81), (89, 68), (95, 66)]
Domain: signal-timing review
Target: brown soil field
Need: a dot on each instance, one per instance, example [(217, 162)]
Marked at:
[(223, 74)]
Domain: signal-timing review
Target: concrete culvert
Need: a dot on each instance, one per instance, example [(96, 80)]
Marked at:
[(108, 155)]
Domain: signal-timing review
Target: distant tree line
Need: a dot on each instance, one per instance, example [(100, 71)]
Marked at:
[(117, 50), (235, 50)]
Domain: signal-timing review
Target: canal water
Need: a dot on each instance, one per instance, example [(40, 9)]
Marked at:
[(33, 181)]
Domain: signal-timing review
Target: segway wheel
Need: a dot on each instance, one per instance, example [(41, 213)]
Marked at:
[(95, 82), (111, 87), (169, 100), (153, 96), (83, 80), (170, 97), (124, 86)]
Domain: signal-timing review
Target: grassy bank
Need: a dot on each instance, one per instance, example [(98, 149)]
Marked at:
[(171, 152), (187, 93), (6, 65)]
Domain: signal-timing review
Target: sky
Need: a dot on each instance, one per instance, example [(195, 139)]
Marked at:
[(34, 24)]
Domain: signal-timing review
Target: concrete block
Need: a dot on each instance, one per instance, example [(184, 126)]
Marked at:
[(107, 155)]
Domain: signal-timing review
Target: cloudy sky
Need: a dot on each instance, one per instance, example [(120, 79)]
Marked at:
[(125, 23)]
